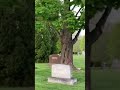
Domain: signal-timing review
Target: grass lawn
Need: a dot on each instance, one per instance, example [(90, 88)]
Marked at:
[(42, 72), (105, 79)]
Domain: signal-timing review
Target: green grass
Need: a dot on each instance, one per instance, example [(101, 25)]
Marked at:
[(105, 79), (42, 72)]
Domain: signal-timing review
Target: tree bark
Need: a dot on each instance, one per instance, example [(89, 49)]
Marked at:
[(97, 31), (67, 47), (87, 56), (88, 70), (76, 37)]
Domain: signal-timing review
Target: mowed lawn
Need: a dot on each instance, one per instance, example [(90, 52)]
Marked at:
[(108, 79), (43, 71)]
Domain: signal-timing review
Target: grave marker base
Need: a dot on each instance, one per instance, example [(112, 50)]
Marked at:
[(70, 81)]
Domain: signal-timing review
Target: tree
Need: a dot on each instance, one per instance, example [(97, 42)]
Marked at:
[(45, 44), (60, 16), (82, 43), (42, 46), (16, 43), (93, 7), (45, 38), (76, 46)]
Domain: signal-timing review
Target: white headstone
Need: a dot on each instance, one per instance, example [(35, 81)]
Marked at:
[(61, 71)]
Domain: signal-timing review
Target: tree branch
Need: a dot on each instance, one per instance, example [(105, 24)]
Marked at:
[(55, 31), (97, 31), (78, 18), (52, 28), (80, 15), (78, 12), (73, 8), (76, 37)]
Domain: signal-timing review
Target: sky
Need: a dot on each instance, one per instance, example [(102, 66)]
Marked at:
[(82, 33)]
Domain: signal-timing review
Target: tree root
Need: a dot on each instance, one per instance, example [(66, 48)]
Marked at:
[(75, 68)]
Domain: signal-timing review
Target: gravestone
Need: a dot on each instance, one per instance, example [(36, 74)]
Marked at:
[(78, 53), (83, 53), (54, 59), (116, 64), (61, 73), (103, 64)]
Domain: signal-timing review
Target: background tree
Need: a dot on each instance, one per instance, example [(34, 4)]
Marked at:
[(16, 43), (76, 47), (82, 43), (60, 16), (93, 7), (79, 46), (45, 37)]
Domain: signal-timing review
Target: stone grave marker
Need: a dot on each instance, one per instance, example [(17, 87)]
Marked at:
[(83, 53), (116, 64), (103, 65), (61, 73), (54, 59)]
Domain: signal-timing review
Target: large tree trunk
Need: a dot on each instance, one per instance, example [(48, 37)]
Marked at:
[(88, 56), (67, 47), (91, 38), (87, 63)]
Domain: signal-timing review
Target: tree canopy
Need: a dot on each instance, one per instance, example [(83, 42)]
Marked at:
[(61, 18), (55, 14), (16, 43)]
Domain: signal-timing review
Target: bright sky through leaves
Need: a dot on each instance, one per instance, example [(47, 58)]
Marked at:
[(82, 33)]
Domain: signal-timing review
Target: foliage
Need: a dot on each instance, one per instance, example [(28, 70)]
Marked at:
[(45, 37), (42, 46), (16, 43), (51, 16), (82, 43), (76, 47), (55, 12), (94, 6), (45, 44), (79, 46), (58, 46)]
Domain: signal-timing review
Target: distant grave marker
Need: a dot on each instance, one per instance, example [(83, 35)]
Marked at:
[(83, 53), (103, 64), (54, 59), (116, 64)]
